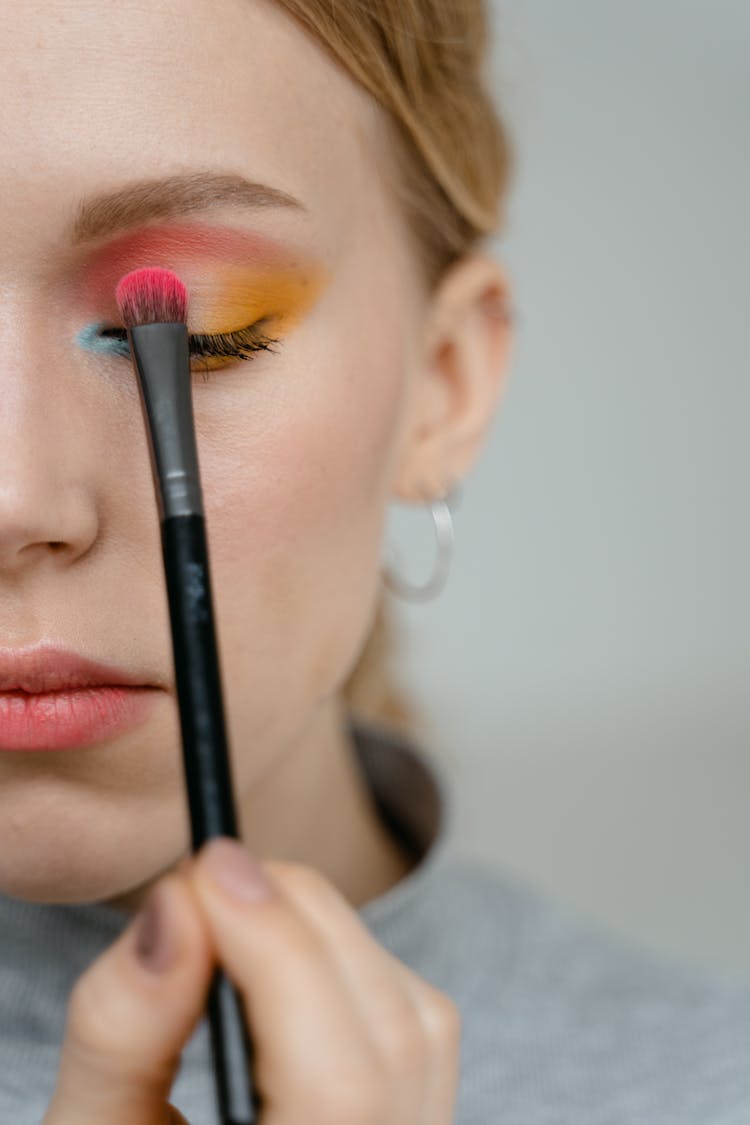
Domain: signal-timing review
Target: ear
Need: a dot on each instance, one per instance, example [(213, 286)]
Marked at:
[(459, 374)]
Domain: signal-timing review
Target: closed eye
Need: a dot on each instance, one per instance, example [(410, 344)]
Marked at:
[(242, 344)]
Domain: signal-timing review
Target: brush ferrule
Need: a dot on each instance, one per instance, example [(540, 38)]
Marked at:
[(162, 361)]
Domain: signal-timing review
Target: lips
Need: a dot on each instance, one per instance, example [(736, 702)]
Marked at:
[(48, 667), (52, 698)]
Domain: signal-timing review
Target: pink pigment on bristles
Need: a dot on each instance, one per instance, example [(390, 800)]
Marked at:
[(151, 296)]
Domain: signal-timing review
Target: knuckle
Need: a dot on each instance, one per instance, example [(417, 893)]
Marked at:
[(443, 1018), (103, 1035), (91, 1022), (405, 1046)]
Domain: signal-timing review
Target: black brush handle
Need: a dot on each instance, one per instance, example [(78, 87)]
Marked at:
[(208, 779)]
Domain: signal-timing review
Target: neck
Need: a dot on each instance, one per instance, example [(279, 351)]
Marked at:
[(313, 806)]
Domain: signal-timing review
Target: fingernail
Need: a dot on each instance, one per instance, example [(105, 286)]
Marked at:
[(155, 946), (235, 870)]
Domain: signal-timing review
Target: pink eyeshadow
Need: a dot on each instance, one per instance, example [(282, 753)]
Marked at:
[(172, 246)]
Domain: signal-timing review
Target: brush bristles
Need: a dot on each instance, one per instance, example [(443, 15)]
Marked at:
[(151, 296)]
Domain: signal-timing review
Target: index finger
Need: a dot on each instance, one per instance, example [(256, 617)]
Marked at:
[(307, 1031)]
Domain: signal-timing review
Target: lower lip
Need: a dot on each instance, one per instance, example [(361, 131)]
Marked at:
[(62, 720)]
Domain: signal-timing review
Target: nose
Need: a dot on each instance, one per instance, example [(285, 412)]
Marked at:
[(48, 514), (42, 518)]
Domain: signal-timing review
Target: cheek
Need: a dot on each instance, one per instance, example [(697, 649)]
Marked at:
[(295, 486), (302, 478)]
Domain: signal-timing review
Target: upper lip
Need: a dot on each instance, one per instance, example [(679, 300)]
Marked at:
[(48, 667)]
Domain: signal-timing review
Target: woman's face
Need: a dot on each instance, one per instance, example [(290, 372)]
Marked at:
[(299, 447)]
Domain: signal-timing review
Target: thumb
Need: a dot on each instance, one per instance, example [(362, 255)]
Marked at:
[(131, 1013)]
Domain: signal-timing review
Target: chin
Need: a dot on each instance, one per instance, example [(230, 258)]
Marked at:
[(68, 874), (67, 844), (41, 888)]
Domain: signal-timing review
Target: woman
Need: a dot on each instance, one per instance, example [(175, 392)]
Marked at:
[(328, 170)]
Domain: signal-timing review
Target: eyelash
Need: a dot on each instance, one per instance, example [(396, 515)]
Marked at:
[(242, 344)]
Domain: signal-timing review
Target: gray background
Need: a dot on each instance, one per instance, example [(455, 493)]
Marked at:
[(587, 667)]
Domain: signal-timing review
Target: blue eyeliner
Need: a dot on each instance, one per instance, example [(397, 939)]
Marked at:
[(91, 340)]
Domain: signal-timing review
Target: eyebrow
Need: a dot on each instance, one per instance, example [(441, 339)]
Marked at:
[(166, 197)]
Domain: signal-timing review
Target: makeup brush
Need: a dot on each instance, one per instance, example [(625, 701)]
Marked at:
[(153, 305)]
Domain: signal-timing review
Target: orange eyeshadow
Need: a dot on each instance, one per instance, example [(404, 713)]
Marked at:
[(236, 297)]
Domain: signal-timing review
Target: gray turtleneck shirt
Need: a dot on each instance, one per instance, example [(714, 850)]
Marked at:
[(563, 1021)]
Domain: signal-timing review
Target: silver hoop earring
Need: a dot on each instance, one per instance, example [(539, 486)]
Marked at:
[(441, 510)]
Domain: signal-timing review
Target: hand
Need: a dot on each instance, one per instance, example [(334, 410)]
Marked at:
[(343, 1032)]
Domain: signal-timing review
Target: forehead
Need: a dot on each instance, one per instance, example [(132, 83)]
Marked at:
[(99, 92)]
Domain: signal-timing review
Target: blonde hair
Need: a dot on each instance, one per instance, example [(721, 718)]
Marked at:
[(424, 63)]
